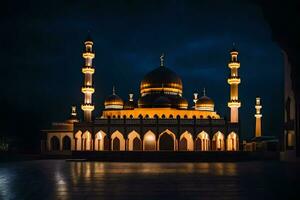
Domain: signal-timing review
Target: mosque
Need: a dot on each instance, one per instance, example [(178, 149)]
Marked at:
[(160, 119)]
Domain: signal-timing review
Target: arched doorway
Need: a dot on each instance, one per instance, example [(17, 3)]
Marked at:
[(218, 143), (117, 141), (99, 141), (134, 142), (54, 143), (116, 144), (183, 144), (149, 141), (78, 141), (87, 141), (232, 142), (166, 141), (66, 143), (202, 142), (186, 142)]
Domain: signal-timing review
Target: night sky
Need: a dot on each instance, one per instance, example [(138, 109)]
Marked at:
[(42, 42)]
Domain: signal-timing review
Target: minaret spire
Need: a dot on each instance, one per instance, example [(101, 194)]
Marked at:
[(88, 70), (258, 117), (113, 90), (162, 59), (234, 80), (204, 93)]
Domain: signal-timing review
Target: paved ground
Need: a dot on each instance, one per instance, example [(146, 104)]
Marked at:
[(57, 179)]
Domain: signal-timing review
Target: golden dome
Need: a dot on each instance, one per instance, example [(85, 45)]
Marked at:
[(205, 103), (182, 103), (113, 101), (161, 78)]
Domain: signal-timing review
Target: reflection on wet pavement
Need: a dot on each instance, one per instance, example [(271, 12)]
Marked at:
[(58, 179)]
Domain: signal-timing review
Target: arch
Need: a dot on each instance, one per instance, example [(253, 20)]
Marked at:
[(218, 142), (155, 116), (99, 141), (134, 142), (232, 142), (117, 141), (140, 116), (202, 142), (87, 141), (78, 141), (130, 116), (171, 116), (186, 142), (149, 141), (66, 142), (147, 116), (167, 141), (163, 116), (54, 142), (185, 117), (178, 117)]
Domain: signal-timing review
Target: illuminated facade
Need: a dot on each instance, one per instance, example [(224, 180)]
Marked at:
[(161, 119)]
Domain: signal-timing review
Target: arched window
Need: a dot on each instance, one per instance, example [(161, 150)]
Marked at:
[(147, 116), (171, 116), (54, 143), (140, 116), (66, 143), (130, 116), (155, 116), (185, 117), (163, 116)]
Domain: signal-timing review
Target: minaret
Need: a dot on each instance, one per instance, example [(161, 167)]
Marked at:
[(258, 116), (88, 70), (234, 80)]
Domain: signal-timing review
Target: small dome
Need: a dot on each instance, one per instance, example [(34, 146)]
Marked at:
[(182, 103), (205, 103), (113, 101)]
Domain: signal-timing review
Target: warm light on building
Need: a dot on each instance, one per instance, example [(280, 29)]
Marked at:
[(158, 119)]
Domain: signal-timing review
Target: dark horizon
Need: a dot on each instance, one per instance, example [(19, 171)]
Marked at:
[(43, 42)]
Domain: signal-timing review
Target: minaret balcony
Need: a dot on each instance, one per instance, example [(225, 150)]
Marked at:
[(88, 70), (258, 115), (258, 106), (87, 90), (87, 107), (234, 80), (234, 104), (88, 55), (234, 64)]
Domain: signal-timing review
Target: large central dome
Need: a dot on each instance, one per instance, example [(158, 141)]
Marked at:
[(161, 78), (162, 88)]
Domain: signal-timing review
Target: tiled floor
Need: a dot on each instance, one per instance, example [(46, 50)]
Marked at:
[(58, 179)]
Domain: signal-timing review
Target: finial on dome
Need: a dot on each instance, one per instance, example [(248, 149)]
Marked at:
[(204, 92), (162, 58), (114, 90)]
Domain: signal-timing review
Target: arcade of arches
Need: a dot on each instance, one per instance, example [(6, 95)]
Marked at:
[(165, 141)]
